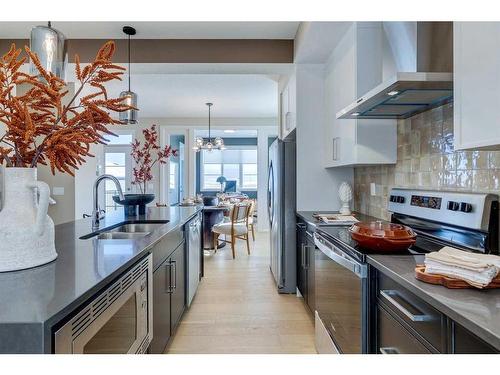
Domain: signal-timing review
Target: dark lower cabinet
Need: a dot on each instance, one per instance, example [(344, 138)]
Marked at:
[(406, 324), (305, 264), (464, 342), (169, 297), (161, 308), (178, 286)]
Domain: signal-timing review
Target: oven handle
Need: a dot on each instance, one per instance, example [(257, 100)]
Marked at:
[(335, 254)]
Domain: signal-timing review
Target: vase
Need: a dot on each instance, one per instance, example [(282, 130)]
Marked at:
[(26, 231)]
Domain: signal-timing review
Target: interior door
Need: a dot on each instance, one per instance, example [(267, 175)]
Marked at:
[(178, 286), (161, 308)]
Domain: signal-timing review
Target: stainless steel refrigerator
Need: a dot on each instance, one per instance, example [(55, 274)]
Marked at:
[(281, 209)]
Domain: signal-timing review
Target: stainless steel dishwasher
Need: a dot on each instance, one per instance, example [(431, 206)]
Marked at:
[(193, 230)]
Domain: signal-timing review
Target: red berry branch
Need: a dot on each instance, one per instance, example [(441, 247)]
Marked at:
[(147, 155)]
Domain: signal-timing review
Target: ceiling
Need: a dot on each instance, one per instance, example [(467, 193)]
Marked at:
[(185, 95), (159, 30)]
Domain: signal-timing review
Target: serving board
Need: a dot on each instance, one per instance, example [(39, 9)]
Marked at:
[(450, 282)]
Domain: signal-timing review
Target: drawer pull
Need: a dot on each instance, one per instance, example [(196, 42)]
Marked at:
[(387, 294), (389, 350)]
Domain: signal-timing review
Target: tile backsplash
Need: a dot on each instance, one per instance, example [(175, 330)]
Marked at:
[(426, 160)]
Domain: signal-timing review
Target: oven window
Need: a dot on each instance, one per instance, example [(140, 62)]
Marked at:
[(118, 334)]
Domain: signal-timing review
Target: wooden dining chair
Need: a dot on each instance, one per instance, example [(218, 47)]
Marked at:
[(237, 228), (251, 219)]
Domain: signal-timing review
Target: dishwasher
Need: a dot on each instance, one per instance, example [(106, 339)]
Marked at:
[(193, 230)]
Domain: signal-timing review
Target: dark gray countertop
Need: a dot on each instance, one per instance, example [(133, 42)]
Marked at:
[(45, 294), (307, 216), (476, 310)]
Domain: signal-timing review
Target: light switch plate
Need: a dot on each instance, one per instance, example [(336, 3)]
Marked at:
[(58, 190), (373, 189)]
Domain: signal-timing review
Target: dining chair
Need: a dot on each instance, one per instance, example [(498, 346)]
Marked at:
[(237, 228), (251, 218)]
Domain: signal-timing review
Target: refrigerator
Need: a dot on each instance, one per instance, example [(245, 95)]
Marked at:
[(281, 210)]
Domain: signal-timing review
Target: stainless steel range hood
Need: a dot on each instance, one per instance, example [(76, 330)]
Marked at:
[(424, 50)]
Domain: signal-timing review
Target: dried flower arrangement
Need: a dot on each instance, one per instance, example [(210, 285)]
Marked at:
[(143, 158), (39, 128)]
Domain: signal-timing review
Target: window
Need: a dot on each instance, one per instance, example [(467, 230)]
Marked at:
[(117, 162), (234, 163)]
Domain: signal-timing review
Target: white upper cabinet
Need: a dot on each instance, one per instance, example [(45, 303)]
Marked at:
[(354, 68), (476, 85), (288, 107)]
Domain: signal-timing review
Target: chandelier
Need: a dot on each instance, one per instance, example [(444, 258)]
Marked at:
[(210, 144)]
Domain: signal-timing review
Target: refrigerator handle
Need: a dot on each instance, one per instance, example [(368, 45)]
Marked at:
[(270, 192)]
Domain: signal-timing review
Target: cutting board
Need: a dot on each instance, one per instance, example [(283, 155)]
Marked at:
[(450, 282)]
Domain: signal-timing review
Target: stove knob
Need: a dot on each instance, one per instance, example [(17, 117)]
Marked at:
[(392, 198), (453, 206), (465, 207), (400, 199)]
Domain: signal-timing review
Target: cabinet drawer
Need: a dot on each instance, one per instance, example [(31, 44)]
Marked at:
[(425, 320), (393, 338), (166, 246), (465, 342)]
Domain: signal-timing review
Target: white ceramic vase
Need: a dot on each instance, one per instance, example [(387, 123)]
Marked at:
[(26, 231)]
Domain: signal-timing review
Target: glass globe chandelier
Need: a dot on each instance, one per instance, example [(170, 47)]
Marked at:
[(210, 144)]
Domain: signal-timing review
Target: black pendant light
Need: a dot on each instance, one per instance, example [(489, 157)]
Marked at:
[(129, 116)]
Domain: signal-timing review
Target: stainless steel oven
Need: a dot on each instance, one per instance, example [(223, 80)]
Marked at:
[(117, 321), (341, 299)]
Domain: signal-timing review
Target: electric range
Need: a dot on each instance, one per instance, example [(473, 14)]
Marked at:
[(467, 221)]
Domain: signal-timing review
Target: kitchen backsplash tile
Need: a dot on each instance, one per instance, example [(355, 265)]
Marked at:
[(426, 160)]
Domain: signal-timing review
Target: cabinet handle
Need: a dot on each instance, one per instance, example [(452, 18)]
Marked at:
[(174, 263), (389, 350), (169, 278), (302, 255), (387, 294), (335, 148)]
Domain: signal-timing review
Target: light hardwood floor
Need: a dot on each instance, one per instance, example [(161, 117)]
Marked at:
[(238, 310)]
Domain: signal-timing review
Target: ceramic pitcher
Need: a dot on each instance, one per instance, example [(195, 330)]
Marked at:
[(26, 231)]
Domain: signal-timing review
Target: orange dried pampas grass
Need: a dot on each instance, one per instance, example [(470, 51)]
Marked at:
[(39, 128)]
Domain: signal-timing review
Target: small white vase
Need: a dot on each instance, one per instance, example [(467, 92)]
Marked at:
[(26, 231)]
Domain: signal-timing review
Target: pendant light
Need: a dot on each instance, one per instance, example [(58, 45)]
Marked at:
[(129, 116), (217, 143), (49, 45)]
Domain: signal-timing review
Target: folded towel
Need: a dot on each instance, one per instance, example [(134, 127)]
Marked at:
[(476, 269)]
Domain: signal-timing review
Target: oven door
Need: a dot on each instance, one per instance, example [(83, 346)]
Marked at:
[(117, 321), (341, 303)]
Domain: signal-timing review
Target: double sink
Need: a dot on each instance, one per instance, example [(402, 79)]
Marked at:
[(125, 231)]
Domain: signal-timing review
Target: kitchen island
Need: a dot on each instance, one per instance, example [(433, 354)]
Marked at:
[(34, 301)]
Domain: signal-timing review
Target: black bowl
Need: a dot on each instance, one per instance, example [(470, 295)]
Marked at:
[(131, 201)]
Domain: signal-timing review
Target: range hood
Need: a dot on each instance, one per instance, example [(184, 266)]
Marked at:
[(424, 50)]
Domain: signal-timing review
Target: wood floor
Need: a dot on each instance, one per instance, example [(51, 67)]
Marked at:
[(238, 310)]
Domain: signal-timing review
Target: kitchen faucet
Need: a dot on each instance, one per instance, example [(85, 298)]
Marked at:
[(97, 214)]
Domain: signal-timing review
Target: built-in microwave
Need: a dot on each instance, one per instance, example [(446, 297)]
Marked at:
[(118, 320)]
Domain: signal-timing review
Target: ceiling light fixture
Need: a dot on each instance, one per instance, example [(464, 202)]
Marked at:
[(392, 93), (229, 131), (50, 46), (201, 144), (355, 114), (129, 116)]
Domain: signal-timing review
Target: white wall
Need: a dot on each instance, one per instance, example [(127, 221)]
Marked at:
[(317, 187)]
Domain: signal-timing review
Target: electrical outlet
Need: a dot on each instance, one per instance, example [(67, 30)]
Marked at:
[(373, 189), (58, 190)]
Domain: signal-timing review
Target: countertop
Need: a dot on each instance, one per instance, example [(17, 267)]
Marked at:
[(307, 216), (45, 294), (476, 310)]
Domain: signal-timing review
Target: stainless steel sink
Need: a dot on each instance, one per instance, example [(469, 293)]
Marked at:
[(125, 231), (121, 235), (137, 228)]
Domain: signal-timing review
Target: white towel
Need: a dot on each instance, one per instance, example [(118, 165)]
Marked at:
[(476, 269)]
